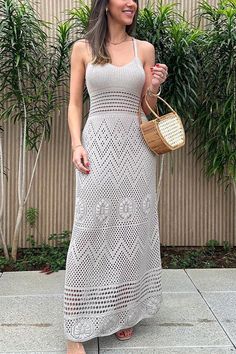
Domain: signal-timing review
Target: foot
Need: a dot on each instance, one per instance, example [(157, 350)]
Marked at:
[(75, 348), (124, 334)]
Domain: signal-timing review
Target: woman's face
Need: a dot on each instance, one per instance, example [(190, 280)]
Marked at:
[(122, 11)]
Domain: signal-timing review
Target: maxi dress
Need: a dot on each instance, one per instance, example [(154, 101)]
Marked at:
[(113, 266)]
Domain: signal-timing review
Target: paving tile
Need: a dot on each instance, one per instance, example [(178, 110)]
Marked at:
[(88, 351), (223, 306), (34, 323), (220, 279), (29, 283), (31, 320), (184, 320), (47, 352), (181, 350), (176, 280)]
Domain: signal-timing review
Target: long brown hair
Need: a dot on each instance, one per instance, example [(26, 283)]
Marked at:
[(96, 34)]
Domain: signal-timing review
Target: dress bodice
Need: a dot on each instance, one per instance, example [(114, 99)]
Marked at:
[(115, 88)]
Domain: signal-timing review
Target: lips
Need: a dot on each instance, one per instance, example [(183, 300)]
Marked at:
[(130, 12)]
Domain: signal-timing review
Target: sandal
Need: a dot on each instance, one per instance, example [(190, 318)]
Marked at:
[(121, 335)]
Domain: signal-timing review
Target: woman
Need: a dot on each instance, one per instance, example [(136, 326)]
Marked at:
[(113, 267)]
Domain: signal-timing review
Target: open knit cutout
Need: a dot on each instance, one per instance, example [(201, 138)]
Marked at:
[(113, 266)]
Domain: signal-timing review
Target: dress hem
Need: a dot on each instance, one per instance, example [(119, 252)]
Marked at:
[(120, 327)]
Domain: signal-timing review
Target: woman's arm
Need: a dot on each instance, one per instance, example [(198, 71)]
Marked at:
[(77, 79), (153, 79)]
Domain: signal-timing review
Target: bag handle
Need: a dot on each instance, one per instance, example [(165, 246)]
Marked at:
[(155, 114)]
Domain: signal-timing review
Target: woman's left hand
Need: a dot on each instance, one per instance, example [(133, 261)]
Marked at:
[(159, 74)]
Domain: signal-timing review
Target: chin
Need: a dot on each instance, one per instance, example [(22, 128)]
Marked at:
[(127, 23)]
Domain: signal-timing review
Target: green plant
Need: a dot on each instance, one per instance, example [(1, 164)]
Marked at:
[(212, 243), (48, 258), (79, 17), (31, 216), (53, 256), (215, 123), (211, 246), (32, 71), (3, 262), (226, 246), (61, 240), (30, 239), (209, 264), (197, 258), (176, 43), (153, 24), (2, 198)]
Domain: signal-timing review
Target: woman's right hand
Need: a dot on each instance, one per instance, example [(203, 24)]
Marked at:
[(80, 159)]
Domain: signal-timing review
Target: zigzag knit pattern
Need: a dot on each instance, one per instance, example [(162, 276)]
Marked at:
[(113, 266)]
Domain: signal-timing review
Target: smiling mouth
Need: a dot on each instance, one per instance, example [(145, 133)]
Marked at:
[(129, 12)]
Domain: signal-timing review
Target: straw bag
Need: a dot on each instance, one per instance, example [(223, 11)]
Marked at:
[(164, 133)]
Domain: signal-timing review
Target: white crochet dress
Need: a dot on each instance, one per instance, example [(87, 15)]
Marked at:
[(113, 266)]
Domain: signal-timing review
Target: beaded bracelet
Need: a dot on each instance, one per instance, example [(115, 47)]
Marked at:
[(74, 147), (150, 93)]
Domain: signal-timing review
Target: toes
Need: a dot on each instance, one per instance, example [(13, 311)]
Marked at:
[(121, 333), (127, 332)]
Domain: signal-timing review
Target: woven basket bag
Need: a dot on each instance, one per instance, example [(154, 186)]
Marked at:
[(164, 133)]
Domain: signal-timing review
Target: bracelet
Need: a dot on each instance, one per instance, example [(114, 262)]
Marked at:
[(74, 147), (153, 94)]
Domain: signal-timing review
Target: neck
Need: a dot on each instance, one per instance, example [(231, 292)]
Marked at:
[(116, 33)]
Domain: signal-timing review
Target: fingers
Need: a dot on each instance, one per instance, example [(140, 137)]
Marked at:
[(160, 71), (80, 160), (81, 167), (162, 66)]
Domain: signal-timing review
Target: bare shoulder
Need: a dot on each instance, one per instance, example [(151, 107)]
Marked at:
[(81, 48), (81, 44), (145, 46), (146, 51)]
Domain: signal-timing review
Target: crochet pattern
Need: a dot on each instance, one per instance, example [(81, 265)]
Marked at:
[(113, 266)]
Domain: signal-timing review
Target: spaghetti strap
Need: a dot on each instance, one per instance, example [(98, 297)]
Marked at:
[(135, 47)]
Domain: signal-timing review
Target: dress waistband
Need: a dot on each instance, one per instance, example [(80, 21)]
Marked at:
[(113, 101)]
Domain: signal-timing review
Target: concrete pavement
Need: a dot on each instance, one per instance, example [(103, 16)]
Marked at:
[(198, 315)]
